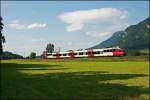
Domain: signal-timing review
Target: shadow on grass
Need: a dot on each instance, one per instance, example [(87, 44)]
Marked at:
[(63, 86)]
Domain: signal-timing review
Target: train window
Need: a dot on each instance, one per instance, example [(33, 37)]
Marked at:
[(49, 54), (54, 54), (84, 53), (101, 52), (114, 50), (80, 53), (98, 52), (75, 53), (94, 52), (58, 54), (65, 54), (110, 50), (88, 53), (105, 50), (70, 54)]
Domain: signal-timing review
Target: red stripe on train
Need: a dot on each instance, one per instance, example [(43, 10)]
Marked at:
[(90, 53)]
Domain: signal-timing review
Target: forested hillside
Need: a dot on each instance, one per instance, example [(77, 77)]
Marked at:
[(133, 38)]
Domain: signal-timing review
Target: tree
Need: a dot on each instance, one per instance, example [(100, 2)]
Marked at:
[(50, 48), (2, 38), (33, 55)]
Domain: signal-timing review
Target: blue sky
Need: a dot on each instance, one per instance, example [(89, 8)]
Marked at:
[(30, 25)]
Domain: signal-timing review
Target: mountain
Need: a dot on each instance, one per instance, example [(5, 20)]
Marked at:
[(10, 55), (133, 38)]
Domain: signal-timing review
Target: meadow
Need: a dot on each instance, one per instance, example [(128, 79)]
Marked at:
[(110, 78)]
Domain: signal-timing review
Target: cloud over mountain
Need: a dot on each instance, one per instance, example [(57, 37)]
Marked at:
[(76, 20)]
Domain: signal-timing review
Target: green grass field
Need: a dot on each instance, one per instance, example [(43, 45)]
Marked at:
[(73, 79)]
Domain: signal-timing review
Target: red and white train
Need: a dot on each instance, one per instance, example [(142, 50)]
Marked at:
[(115, 51)]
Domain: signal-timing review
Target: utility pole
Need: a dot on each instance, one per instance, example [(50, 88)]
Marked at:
[(58, 49), (24, 54)]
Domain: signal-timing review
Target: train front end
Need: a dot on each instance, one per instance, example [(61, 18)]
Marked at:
[(119, 52)]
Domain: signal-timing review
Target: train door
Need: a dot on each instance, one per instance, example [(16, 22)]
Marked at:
[(90, 53), (71, 54), (58, 55)]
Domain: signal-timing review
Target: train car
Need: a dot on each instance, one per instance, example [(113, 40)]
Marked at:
[(115, 51)]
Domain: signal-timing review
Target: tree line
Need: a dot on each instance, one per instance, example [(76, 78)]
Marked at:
[(49, 49)]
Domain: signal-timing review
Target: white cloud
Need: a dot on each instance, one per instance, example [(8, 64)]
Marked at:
[(98, 34), (15, 24), (73, 27), (37, 40), (36, 26), (76, 20)]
